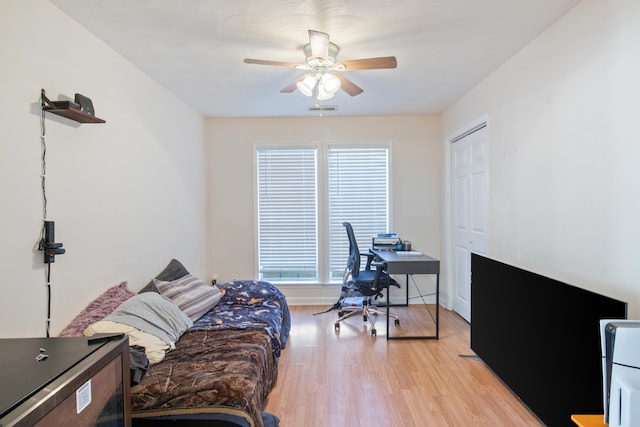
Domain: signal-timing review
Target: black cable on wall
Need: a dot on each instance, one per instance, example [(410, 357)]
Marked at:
[(43, 144)]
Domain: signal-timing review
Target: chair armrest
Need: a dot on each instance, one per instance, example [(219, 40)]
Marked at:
[(378, 264), (370, 258)]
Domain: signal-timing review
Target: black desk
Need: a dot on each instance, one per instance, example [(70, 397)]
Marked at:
[(397, 263)]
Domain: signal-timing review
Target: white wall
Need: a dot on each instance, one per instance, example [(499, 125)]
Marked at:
[(416, 180), (126, 196), (130, 194), (564, 151)]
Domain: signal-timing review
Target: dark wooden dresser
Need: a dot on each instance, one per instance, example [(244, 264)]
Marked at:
[(80, 381)]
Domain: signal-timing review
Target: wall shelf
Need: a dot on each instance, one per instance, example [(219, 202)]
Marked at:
[(68, 112), (73, 114)]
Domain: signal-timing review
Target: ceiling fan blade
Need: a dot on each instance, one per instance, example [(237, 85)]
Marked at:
[(319, 44), (370, 63), (348, 86), (292, 86), (265, 62)]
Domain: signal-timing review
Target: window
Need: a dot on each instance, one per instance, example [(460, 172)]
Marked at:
[(359, 194), (344, 182), (287, 214)]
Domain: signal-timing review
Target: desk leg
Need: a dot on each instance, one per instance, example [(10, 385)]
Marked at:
[(388, 304), (406, 282), (437, 306), (437, 334)]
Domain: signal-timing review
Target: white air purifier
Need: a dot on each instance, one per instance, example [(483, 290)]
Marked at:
[(621, 372)]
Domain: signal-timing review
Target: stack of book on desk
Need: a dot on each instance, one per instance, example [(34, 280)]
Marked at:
[(385, 241)]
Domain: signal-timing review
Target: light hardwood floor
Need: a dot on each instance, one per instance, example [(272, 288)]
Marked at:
[(342, 378)]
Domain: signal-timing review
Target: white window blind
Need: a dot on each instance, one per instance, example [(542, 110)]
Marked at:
[(358, 181), (287, 214)]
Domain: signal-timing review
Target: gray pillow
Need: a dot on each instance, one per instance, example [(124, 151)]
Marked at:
[(192, 295), (173, 271)]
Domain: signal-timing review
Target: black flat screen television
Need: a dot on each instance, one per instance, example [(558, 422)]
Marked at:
[(541, 337)]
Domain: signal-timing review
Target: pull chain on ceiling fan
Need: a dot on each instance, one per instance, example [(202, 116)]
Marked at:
[(323, 78)]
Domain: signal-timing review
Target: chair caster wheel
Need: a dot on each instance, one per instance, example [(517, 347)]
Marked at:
[(364, 318), (337, 326), (397, 322), (373, 333), (340, 313)]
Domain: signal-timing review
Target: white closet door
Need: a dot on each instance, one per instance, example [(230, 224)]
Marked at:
[(470, 201)]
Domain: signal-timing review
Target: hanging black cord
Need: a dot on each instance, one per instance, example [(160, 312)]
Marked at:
[(48, 325), (43, 144), (335, 306)]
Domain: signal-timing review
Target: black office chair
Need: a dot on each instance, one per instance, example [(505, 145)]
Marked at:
[(365, 284)]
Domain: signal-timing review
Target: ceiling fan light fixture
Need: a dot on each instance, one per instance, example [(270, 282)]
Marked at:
[(324, 78), (330, 83), (319, 42), (328, 61), (307, 84), (323, 94)]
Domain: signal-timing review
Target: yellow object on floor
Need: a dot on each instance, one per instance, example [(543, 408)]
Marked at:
[(589, 420)]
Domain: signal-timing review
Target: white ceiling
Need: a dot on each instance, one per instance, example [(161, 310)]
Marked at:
[(195, 48)]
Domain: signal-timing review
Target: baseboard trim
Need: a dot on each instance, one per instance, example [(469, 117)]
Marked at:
[(312, 300)]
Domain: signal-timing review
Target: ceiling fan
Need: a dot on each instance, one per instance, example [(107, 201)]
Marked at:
[(323, 77)]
